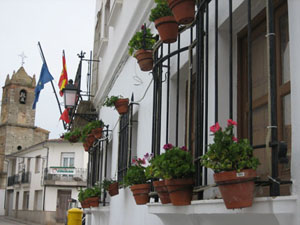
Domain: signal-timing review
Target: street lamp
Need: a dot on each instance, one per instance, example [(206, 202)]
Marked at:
[(70, 93)]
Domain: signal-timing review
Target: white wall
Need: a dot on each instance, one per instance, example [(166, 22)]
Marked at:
[(2, 200)]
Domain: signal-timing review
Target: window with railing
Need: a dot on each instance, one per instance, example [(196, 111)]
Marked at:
[(196, 85), (126, 145), (99, 164)]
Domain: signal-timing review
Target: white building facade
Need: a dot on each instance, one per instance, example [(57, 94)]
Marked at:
[(43, 178), (202, 78)]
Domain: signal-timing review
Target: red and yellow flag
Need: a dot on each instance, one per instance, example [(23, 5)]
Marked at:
[(65, 116), (63, 80)]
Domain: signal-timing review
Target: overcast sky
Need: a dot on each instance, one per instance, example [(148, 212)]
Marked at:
[(59, 25)]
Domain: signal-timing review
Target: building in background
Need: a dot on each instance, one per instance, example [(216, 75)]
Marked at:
[(43, 178), (17, 130)]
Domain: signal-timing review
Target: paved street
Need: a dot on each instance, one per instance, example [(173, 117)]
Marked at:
[(8, 221)]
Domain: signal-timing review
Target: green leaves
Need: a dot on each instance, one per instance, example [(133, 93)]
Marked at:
[(174, 163), (110, 101), (139, 41), (161, 10), (135, 175), (227, 154)]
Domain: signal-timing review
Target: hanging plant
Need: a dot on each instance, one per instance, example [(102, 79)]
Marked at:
[(141, 44)]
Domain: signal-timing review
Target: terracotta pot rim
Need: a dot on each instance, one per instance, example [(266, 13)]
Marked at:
[(139, 186), (189, 180), (234, 175), (165, 19), (141, 51)]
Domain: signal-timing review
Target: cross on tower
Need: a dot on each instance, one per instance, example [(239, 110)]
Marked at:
[(23, 56)]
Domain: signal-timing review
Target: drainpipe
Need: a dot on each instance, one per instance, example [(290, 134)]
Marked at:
[(44, 194)]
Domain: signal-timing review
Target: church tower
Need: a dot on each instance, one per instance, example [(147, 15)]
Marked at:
[(17, 130)]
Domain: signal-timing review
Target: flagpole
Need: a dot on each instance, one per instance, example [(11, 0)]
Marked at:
[(44, 61)]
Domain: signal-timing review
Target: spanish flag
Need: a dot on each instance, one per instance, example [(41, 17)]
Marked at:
[(63, 80)]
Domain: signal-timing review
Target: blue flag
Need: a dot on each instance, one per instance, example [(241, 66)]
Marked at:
[(45, 77)]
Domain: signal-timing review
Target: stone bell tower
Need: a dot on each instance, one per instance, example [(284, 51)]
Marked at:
[(17, 130)]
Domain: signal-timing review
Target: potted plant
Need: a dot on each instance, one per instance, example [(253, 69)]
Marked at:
[(153, 172), (183, 10), (137, 180), (90, 132), (234, 165), (142, 43), (81, 198), (164, 21), (73, 136), (111, 185), (120, 103), (178, 170), (92, 195)]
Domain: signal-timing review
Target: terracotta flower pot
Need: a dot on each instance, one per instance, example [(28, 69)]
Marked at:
[(141, 193), (144, 59), (183, 10), (93, 201), (74, 138), (122, 105), (113, 189), (236, 188), (90, 140), (85, 204), (162, 191), (167, 28), (97, 132), (180, 190), (86, 146)]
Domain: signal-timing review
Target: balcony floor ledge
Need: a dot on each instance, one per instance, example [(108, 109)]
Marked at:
[(264, 211), (99, 209)]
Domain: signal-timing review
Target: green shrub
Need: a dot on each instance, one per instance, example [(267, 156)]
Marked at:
[(227, 153), (161, 10), (139, 41), (110, 101)]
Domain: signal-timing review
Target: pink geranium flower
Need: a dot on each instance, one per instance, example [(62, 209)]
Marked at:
[(168, 146), (231, 122), (134, 161), (184, 148), (215, 128), (235, 139)]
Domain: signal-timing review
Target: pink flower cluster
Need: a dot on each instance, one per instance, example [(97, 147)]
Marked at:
[(170, 146), (215, 128), (142, 161)]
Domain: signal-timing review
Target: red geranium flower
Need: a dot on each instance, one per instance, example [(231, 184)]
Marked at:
[(231, 122), (215, 128), (235, 139)]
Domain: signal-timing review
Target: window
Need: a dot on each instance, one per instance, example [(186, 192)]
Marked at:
[(67, 159), (22, 97), (203, 66), (25, 200), (260, 90), (126, 151), (28, 164), (38, 164)]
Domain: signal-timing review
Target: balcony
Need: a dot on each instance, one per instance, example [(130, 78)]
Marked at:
[(25, 179), (65, 176)]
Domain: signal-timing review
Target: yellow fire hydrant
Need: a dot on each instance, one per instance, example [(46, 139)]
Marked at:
[(74, 216)]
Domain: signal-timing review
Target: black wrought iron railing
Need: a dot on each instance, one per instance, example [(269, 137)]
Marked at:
[(125, 141), (189, 60), (25, 177), (97, 166), (10, 181)]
